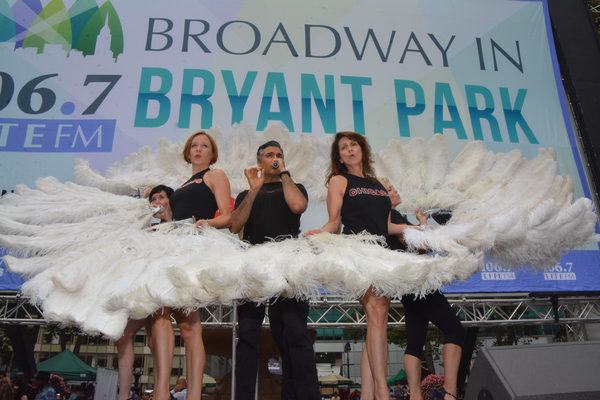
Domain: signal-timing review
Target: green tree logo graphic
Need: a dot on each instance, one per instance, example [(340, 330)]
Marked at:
[(76, 28)]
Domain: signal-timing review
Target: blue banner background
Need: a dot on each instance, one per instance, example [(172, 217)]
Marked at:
[(8, 280)]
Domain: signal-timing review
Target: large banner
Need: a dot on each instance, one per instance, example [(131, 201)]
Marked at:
[(8, 280), (99, 79)]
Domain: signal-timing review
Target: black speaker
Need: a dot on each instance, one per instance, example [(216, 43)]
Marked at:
[(558, 371)]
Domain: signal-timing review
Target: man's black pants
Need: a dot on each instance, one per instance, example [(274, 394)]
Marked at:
[(288, 327)]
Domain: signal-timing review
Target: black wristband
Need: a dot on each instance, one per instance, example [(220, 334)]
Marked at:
[(285, 173)]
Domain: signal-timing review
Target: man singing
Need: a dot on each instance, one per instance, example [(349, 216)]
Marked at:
[(271, 210)]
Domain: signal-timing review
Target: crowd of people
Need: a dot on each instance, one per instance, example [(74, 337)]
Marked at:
[(357, 201), (400, 392), (43, 386)]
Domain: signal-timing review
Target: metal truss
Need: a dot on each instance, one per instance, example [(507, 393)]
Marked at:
[(16, 309), (594, 7), (331, 312), (499, 310)]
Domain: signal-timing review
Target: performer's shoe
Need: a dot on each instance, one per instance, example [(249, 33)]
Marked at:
[(440, 394)]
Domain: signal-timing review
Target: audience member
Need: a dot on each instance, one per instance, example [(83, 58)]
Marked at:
[(179, 392), (43, 385)]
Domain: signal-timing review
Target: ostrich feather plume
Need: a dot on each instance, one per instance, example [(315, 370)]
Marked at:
[(92, 260)]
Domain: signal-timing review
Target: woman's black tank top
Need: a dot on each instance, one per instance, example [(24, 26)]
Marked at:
[(366, 207), (194, 199)]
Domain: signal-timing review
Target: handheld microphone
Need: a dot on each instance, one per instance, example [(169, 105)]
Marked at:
[(156, 210), (275, 165)]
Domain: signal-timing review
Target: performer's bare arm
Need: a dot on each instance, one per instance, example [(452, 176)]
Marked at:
[(422, 218), (240, 215), (218, 183), (335, 200), (398, 229), (294, 197)]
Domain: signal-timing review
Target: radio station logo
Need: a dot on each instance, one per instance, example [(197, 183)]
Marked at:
[(29, 25)]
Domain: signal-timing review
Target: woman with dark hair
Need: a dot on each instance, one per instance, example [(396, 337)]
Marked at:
[(359, 202), (18, 383), (205, 193), (6, 390), (158, 196), (419, 311)]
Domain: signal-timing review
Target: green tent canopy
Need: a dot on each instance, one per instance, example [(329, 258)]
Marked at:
[(69, 367), (398, 377)]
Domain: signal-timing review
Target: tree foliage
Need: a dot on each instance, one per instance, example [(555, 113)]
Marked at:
[(433, 345), (5, 346), (595, 14), (67, 336), (512, 335), (355, 334)]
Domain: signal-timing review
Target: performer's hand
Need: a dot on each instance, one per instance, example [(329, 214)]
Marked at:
[(421, 216), (146, 193), (281, 167), (201, 223), (254, 180), (311, 232)]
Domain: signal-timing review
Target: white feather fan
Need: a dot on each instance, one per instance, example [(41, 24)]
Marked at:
[(92, 262)]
